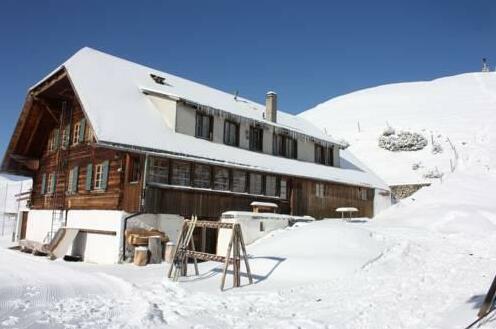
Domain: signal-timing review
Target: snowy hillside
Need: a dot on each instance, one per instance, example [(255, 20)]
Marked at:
[(460, 109)]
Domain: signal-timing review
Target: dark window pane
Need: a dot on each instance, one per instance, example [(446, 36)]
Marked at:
[(201, 176), (180, 173), (255, 184), (256, 139), (239, 181), (158, 171), (319, 154), (270, 185), (231, 130), (221, 179), (203, 126), (283, 189)]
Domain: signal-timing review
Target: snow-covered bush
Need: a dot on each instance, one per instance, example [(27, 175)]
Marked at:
[(388, 131), (433, 173), (403, 141), (436, 148)]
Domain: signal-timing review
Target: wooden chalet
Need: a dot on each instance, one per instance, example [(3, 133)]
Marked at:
[(104, 138)]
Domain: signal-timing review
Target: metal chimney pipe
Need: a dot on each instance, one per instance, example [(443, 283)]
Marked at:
[(271, 106)]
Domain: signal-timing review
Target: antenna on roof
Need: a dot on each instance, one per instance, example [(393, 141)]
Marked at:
[(485, 66), (236, 94)]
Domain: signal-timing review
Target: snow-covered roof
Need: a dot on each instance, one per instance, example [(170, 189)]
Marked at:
[(110, 90)]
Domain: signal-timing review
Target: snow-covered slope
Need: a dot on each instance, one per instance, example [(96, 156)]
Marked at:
[(460, 109)]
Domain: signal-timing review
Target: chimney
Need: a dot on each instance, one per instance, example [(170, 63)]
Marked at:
[(271, 106)]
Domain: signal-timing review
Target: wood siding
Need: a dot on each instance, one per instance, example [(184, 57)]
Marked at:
[(304, 200)]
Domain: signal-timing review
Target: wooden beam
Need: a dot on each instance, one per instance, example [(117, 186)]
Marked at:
[(30, 163), (32, 134), (49, 82), (49, 110)]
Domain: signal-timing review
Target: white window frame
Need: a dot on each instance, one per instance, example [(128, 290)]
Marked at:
[(363, 194), (69, 180), (319, 190), (98, 177), (49, 186), (75, 133), (51, 141), (283, 189)]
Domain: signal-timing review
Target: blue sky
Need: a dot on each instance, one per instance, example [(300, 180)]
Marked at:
[(307, 51)]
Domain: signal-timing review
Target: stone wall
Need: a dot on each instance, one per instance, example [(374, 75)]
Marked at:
[(406, 190)]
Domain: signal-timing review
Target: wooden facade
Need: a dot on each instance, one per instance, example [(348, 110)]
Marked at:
[(53, 108)]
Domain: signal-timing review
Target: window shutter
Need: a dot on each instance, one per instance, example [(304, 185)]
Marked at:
[(82, 126), (89, 176), (75, 178), (43, 184), (56, 137), (105, 172), (54, 182), (67, 137)]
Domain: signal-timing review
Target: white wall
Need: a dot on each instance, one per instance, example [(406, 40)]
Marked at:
[(218, 132), (337, 159), (38, 225), (185, 119), (381, 201), (306, 151), (244, 135), (98, 248), (250, 227)]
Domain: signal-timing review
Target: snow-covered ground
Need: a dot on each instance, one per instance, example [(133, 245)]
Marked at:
[(426, 263), (456, 112)]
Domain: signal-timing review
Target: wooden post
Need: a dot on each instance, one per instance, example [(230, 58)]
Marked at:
[(140, 256), (245, 256), (226, 264), (155, 248)]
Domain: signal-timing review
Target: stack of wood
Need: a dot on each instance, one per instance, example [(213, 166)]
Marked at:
[(140, 236), (148, 245)]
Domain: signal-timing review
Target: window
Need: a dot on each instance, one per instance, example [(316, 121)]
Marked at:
[(256, 139), (284, 146), (290, 148), (256, 184), (51, 183), (65, 136), (72, 181), (181, 173), (231, 133), (330, 156), (221, 179), (75, 133), (134, 170), (271, 185), (158, 171), (202, 176), (319, 154), (362, 194), (319, 190), (52, 140), (239, 181), (283, 189), (98, 183), (203, 126)]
